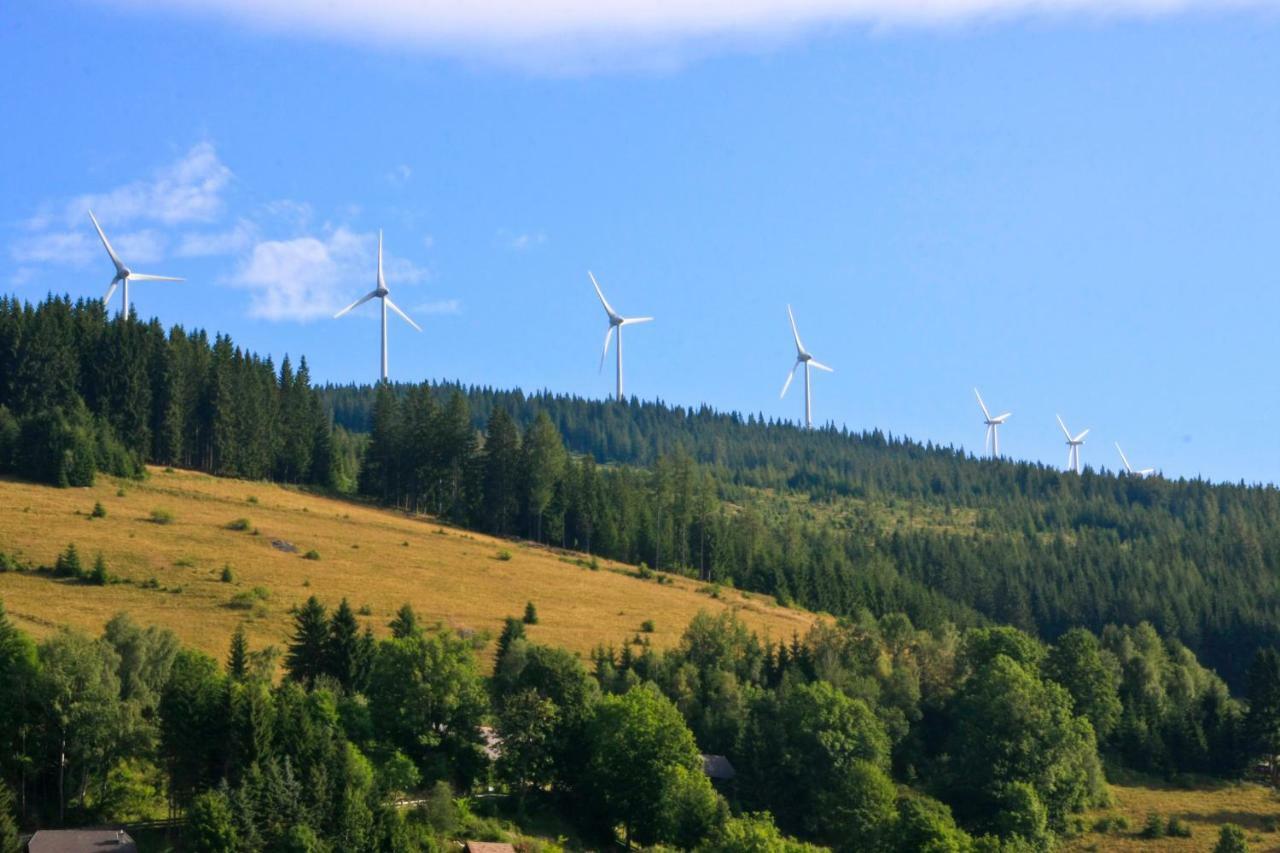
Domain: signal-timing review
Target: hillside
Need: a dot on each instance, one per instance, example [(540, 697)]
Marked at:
[(378, 559)]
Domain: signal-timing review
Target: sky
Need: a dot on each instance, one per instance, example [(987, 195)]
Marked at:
[(1073, 206)]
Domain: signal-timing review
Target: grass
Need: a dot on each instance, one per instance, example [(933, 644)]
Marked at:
[(449, 577), (1202, 809)]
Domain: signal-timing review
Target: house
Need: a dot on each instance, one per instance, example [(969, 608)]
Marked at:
[(718, 768), (81, 841), (487, 847)]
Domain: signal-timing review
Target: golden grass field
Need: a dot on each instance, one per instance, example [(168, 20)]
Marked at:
[(1205, 809), (377, 559)]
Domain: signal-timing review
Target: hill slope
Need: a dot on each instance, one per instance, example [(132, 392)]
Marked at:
[(378, 559)]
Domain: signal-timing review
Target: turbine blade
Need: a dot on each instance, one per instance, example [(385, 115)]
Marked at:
[(986, 442), (362, 300), (1002, 418), (821, 366), (111, 291), (382, 283), (396, 308), (1124, 458), (115, 259), (141, 276), (1079, 438), (795, 332), (608, 336), (790, 376), (629, 321), (605, 302), (1065, 431), (985, 413), (1146, 472)]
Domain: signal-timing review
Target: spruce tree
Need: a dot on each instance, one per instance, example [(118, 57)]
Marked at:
[(342, 650), (512, 630), (238, 658), (501, 473), (307, 656), (405, 623), (544, 459)]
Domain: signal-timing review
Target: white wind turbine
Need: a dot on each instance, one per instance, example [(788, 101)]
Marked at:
[(802, 357), (616, 321), (124, 275), (993, 426), (1073, 445), (382, 293), (1140, 472)]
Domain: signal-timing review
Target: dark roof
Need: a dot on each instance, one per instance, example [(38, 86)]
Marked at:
[(488, 847), (81, 841), (717, 767)]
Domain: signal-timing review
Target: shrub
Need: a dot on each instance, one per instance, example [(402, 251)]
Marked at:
[(1270, 823), (504, 555), (68, 564), (1231, 840), (365, 610), (1153, 826), (161, 516), (530, 614), (1111, 823), (594, 565), (313, 554), (99, 511), (9, 564), (253, 499), (240, 524), (227, 575), (120, 492), (647, 626), (99, 574), (1178, 828), (250, 599), (644, 572), (151, 583)]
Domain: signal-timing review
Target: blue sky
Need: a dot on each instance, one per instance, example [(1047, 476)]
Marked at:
[(1076, 212)]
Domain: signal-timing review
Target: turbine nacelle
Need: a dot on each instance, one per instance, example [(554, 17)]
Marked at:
[(806, 360), (1129, 469), (123, 274), (616, 321), (380, 291), (992, 439)]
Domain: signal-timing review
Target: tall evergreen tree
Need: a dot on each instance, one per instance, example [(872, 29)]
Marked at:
[(308, 653), (238, 657), (501, 474)]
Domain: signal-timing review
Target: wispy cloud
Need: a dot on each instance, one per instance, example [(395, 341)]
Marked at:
[(517, 30), (307, 278), (229, 241), (440, 306), (523, 241)]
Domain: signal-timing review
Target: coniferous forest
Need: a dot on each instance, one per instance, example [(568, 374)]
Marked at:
[(1006, 631)]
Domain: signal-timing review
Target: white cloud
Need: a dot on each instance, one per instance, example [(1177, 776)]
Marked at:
[(517, 27), (522, 242), (440, 306), (187, 190), (233, 240), (73, 248), (311, 277)]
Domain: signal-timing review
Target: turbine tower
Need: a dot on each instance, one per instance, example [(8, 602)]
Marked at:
[(124, 275), (616, 321), (1073, 446), (1140, 472), (993, 427), (802, 357), (382, 293)]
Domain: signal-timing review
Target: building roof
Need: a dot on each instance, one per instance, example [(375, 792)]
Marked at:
[(81, 841), (718, 767), (488, 847)]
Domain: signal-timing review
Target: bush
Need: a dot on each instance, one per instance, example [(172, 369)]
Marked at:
[(1111, 823), (161, 516), (313, 554), (253, 499), (99, 574), (1231, 840), (1270, 823), (530, 614), (227, 575), (647, 626), (68, 564), (1177, 828), (9, 564), (240, 524), (249, 599), (99, 511), (644, 572), (1153, 826), (504, 555)]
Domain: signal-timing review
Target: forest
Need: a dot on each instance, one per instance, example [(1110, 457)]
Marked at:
[(1006, 631)]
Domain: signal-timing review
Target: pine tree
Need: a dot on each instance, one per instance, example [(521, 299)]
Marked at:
[(530, 614), (501, 473), (342, 650), (405, 623), (544, 460), (512, 630), (307, 655), (99, 574), (238, 658)]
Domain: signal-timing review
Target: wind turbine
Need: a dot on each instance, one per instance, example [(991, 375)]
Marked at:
[(124, 275), (1141, 472), (993, 426), (1073, 445), (382, 293), (802, 357), (616, 321)]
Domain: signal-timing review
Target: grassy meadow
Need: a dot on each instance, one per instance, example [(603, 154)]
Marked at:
[(168, 539), (1204, 808)]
